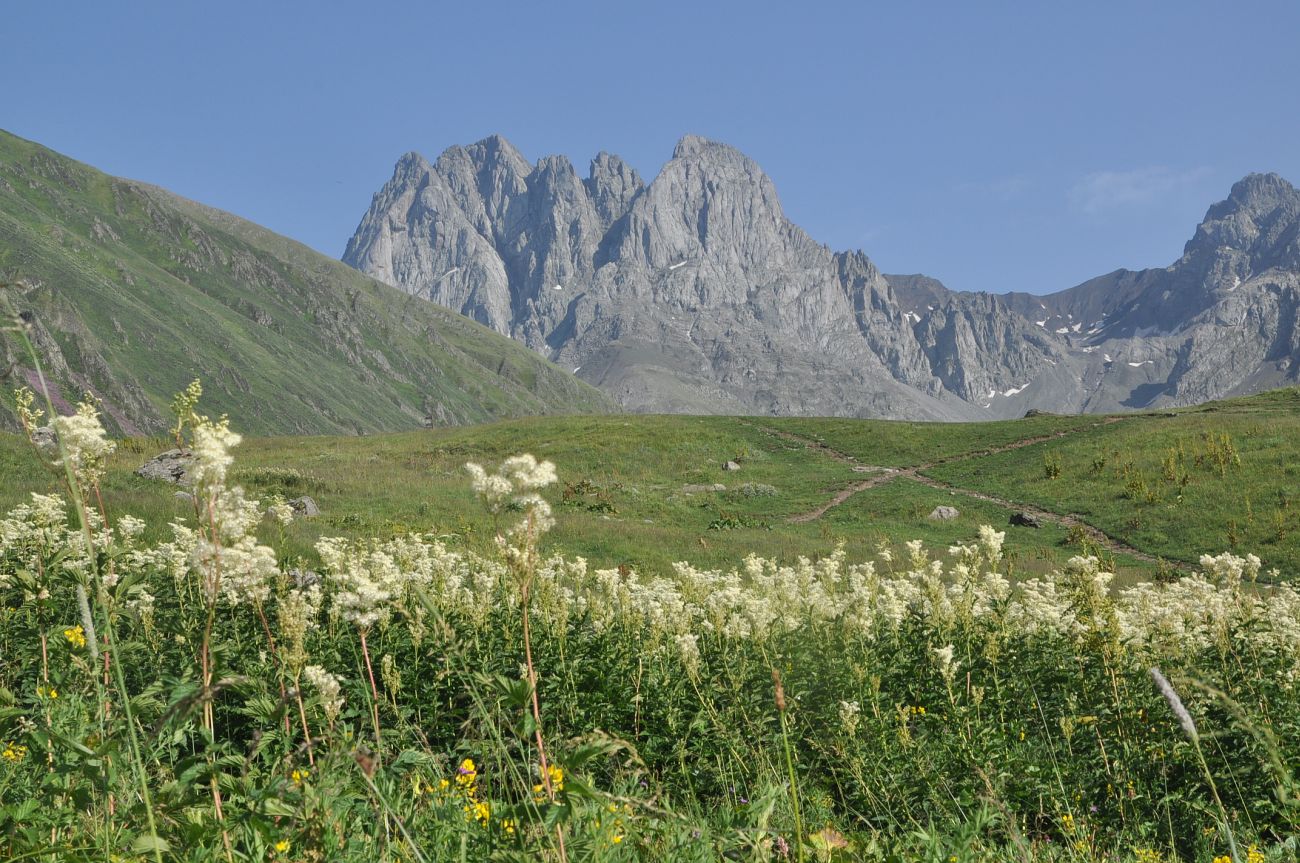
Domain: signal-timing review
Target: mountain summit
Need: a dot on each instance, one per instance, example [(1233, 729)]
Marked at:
[(695, 293)]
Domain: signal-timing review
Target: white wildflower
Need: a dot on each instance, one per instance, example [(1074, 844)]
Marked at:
[(280, 511), (688, 650), (328, 688), (527, 472), (211, 446), (850, 713), (943, 657), (83, 443)]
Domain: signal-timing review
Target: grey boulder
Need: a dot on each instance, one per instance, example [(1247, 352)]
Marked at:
[(171, 466)]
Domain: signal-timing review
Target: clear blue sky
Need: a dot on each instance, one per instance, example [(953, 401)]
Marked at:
[(996, 146)]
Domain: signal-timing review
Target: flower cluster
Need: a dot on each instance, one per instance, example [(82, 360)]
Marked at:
[(84, 444), (328, 688), (765, 597), (225, 553), (519, 476)]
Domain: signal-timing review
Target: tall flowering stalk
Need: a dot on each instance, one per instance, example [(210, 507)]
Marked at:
[(223, 552), (366, 581), (514, 488)]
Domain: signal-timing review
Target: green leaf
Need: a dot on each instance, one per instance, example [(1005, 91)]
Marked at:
[(150, 844), (277, 808)]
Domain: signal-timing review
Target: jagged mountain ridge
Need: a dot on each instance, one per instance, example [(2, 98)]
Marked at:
[(130, 292), (694, 293)]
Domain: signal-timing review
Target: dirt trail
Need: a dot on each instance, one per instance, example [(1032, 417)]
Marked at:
[(1100, 539), (888, 474)]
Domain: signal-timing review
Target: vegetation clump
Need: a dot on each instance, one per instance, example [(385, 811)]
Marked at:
[(201, 697)]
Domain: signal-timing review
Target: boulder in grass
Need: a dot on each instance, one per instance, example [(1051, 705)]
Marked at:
[(731, 465), (944, 513), (304, 507), (171, 466), (45, 438), (702, 488), (1026, 519)]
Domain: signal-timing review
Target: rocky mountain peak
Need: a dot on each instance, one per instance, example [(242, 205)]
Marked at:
[(412, 164), (695, 293), (1257, 226), (612, 184), (1257, 194), (708, 153), (553, 172), (691, 145)]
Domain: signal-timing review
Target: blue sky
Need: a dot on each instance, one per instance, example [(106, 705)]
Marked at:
[(996, 146)]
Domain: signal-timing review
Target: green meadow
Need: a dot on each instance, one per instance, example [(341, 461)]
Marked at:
[(623, 650)]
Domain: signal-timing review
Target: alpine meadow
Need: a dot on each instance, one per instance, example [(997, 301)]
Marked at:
[(621, 508)]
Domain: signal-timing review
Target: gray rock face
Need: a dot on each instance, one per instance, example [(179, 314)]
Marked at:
[(944, 513), (170, 466), (694, 293), (304, 507), (45, 438)]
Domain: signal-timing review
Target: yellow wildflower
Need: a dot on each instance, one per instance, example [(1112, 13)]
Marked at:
[(1225, 858), (282, 846), (47, 692), (1254, 855), (13, 752), (479, 812), (299, 775), (467, 775), (76, 636)]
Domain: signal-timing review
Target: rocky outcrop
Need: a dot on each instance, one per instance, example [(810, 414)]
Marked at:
[(170, 466), (694, 293)]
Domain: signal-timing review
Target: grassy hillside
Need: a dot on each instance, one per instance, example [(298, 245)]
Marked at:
[(132, 292), (626, 495), (191, 696)]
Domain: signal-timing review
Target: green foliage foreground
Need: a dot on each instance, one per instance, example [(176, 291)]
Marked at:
[(203, 698)]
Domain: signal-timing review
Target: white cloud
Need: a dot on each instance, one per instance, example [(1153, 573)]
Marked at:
[(1108, 190)]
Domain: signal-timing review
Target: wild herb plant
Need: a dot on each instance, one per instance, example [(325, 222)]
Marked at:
[(402, 698)]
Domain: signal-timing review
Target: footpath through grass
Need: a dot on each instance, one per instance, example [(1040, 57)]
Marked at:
[(1221, 476), (638, 491)]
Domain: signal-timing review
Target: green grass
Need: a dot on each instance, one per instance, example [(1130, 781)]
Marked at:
[(1140, 481), (625, 503), (931, 710), (907, 444), (136, 292)]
